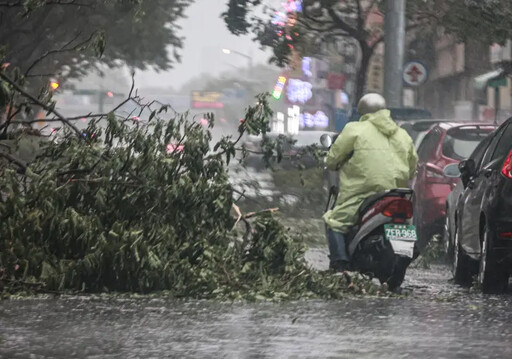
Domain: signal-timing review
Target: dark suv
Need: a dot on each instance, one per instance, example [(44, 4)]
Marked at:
[(483, 230)]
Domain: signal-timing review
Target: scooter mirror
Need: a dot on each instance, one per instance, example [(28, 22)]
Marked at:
[(326, 140)]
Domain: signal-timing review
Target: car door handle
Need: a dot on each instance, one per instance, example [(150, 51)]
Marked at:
[(488, 172)]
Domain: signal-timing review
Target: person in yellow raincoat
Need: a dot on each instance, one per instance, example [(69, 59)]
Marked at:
[(372, 155)]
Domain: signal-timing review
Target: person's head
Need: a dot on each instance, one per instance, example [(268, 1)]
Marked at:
[(371, 103)]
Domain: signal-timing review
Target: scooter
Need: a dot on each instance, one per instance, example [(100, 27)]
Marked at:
[(382, 244)]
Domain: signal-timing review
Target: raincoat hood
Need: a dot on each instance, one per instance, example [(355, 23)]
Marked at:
[(382, 121)]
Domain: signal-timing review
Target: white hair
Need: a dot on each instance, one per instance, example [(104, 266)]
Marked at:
[(371, 103)]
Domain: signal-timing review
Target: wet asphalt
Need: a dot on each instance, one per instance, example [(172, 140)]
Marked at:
[(436, 320)]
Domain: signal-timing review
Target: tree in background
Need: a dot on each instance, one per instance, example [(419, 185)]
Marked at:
[(320, 23), (488, 21), (43, 37), (314, 26)]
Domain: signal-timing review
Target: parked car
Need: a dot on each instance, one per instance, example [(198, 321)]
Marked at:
[(417, 129), (455, 195), (482, 238), (445, 144), (294, 149)]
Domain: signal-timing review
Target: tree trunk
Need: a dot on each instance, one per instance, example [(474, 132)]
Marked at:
[(362, 73)]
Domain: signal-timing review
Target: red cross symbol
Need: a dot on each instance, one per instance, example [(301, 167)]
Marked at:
[(414, 73)]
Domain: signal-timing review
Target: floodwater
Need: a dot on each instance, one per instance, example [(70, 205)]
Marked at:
[(437, 320)]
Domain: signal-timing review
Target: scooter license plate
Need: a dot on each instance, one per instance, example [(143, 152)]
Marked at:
[(400, 232), (402, 238)]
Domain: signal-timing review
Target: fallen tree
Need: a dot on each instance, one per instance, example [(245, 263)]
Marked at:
[(141, 206)]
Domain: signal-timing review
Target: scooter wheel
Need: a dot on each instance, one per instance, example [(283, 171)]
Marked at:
[(398, 276)]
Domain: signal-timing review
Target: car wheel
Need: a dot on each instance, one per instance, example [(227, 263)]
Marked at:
[(461, 263), (448, 236), (492, 278)]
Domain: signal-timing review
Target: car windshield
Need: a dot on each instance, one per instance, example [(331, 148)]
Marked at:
[(460, 143)]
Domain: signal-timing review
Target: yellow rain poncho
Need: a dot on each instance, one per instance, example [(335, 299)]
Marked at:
[(372, 155)]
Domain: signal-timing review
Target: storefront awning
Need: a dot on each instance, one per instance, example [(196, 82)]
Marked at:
[(480, 82)]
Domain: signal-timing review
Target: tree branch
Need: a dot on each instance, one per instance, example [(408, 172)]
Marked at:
[(360, 16), (62, 49), (39, 103), (14, 160), (343, 25), (21, 3)]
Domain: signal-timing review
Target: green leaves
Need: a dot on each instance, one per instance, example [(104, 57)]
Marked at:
[(5, 94), (123, 213), (99, 43)]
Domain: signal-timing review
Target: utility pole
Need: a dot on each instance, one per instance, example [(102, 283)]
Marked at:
[(394, 37)]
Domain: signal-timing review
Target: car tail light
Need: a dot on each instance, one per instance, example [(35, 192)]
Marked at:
[(507, 167), (399, 208), (505, 235)]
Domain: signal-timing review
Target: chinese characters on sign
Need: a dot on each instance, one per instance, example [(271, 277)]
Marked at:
[(306, 67), (278, 124), (202, 99), (278, 88), (319, 119), (293, 120), (293, 5), (299, 91)]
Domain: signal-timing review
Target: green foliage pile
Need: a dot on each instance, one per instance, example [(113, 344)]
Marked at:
[(120, 210)]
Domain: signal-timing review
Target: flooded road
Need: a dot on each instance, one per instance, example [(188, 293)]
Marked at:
[(438, 320)]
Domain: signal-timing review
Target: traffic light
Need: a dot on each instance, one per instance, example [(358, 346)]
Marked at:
[(278, 88), (54, 85)]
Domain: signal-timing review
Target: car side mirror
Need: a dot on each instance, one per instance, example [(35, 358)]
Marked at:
[(467, 170), (326, 140), (452, 171)]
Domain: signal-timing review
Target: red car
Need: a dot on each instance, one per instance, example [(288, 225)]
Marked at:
[(442, 148)]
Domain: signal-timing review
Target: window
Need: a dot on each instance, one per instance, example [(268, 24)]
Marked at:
[(490, 149), (459, 143), (504, 145), (428, 145), (478, 153)]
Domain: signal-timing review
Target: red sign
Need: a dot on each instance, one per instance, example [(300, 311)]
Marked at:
[(335, 81), (205, 100), (415, 73)]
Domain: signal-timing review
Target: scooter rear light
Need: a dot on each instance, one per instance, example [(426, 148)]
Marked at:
[(399, 208), (507, 166)]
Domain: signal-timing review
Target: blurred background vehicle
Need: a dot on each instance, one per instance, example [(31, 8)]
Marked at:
[(401, 114), (482, 239), (445, 144), (297, 150)]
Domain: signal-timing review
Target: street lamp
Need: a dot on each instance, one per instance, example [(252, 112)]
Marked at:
[(229, 52)]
